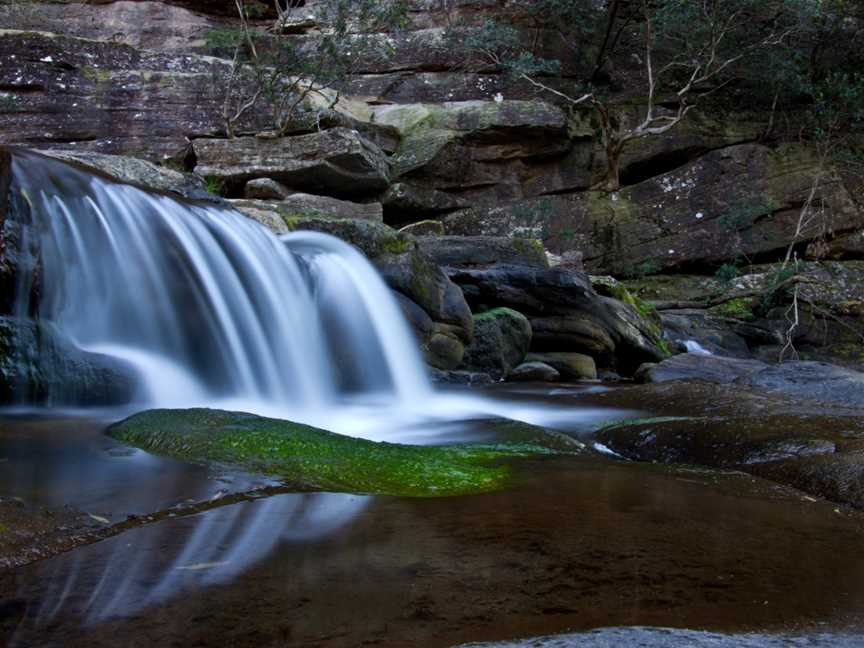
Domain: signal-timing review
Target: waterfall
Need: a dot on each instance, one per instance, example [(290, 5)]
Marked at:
[(207, 305)]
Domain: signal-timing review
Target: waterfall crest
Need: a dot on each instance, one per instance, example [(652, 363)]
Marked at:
[(207, 305)]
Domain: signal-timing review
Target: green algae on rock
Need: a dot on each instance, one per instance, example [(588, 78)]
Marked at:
[(315, 459)]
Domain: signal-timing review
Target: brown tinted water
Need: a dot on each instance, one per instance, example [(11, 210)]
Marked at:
[(576, 543)]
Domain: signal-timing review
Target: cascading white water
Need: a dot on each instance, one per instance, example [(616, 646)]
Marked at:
[(694, 347), (208, 305), (211, 309)]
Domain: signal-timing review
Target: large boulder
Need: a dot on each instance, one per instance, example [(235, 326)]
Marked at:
[(138, 172), (565, 312), (299, 205), (469, 151), (441, 344), (502, 338), (698, 366), (534, 372), (38, 365), (817, 381), (570, 366), (337, 162)]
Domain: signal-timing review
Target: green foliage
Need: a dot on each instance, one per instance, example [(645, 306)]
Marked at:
[(397, 245), (645, 268), (741, 309), (838, 104), (223, 40), (663, 345), (742, 216), (727, 273), (214, 186), (9, 103), (313, 459), (290, 75), (773, 295)]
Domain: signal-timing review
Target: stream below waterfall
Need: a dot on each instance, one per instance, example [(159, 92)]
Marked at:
[(575, 543)]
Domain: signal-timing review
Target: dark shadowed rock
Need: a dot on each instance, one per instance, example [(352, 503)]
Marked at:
[(38, 365), (719, 335), (698, 366), (849, 246), (336, 162), (738, 201), (441, 345), (534, 372), (265, 189), (565, 312), (472, 251), (502, 337), (403, 202)]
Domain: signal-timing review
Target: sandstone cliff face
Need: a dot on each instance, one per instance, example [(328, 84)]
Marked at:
[(416, 136)]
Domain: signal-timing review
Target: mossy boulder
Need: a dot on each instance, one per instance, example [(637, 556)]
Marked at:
[(502, 337), (313, 459)]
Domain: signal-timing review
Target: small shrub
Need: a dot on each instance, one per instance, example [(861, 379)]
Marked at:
[(727, 273)]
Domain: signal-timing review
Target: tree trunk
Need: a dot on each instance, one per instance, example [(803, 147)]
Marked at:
[(613, 167)]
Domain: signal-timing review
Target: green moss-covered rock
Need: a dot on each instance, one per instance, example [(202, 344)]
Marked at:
[(502, 337), (314, 459), (740, 308)]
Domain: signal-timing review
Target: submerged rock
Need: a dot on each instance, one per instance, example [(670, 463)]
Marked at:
[(807, 444), (675, 638), (29, 533), (314, 459)]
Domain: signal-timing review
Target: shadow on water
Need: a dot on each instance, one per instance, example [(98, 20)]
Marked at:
[(576, 542)]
